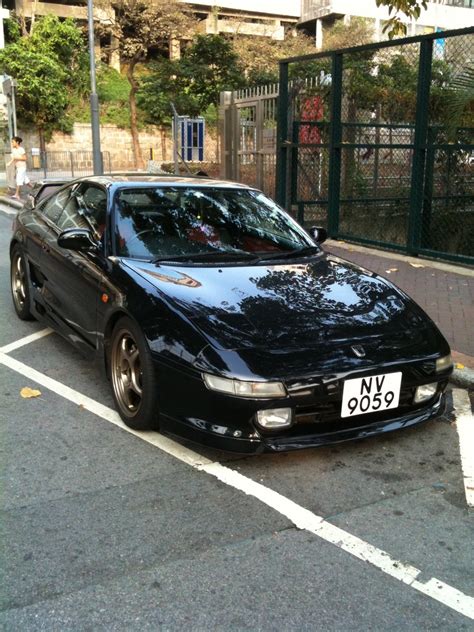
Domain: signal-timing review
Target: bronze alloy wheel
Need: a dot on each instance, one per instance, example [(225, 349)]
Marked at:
[(19, 284), (133, 376), (18, 281), (126, 373)]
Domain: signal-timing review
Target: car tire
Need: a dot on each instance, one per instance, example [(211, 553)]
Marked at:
[(132, 376), (20, 284)]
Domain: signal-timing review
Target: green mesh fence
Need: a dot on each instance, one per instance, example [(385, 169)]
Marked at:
[(374, 144)]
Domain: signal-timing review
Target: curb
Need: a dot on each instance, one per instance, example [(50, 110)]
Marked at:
[(425, 262), (16, 204), (463, 378)]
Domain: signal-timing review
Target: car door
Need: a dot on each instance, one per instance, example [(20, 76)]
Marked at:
[(38, 222), (73, 279)]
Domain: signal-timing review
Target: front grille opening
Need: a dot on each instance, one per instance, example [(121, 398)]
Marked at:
[(326, 416)]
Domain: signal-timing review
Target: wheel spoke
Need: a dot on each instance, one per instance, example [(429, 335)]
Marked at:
[(136, 382)]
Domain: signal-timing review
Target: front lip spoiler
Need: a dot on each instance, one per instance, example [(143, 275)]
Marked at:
[(204, 437), (285, 444)]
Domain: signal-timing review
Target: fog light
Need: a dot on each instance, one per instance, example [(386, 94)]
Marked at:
[(425, 392), (275, 418), (443, 363)]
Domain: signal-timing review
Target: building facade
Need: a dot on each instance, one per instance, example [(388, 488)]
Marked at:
[(317, 15)]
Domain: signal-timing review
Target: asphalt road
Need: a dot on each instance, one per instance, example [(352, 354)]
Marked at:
[(104, 529)]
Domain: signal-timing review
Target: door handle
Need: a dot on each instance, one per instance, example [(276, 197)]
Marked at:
[(46, 248)]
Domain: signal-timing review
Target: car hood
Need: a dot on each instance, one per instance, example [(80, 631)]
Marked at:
[(290, 305)]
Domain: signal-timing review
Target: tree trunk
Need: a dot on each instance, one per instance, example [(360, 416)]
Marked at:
[(137, 152)]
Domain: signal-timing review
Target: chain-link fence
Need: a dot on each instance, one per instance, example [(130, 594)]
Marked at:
[(374, 144)]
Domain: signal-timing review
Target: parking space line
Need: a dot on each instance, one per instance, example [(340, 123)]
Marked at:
[(26, 340), (465, 428), (302, 518)]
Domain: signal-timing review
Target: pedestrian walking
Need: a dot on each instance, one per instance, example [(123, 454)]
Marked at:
[(19, 160)]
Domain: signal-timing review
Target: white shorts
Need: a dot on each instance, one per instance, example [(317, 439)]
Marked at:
[(21, 177)]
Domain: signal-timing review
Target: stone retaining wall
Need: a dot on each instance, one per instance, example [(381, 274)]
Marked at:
[(156, 143)]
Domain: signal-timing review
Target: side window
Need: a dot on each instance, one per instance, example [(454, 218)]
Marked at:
[(71, 216), (87, 208), (54, 205), (92, 201)]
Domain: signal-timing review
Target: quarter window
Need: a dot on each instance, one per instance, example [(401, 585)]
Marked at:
[(54, 206), (87, 208)]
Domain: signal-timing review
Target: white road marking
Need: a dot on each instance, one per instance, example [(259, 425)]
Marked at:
[(302, 518), (465, 428), (26, 340), (163, 443)]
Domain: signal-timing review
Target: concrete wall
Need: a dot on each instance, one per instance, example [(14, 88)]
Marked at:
[(118, 142)]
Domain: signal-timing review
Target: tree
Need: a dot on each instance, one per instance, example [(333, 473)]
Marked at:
[(460, 109), (139, 29), (210, 66), (194, 82), (259, 56), (49, 64), (359, 31), (410, 8), (397, 89)]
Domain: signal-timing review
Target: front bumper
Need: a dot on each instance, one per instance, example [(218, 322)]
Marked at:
[(228, 423), (215, 436)]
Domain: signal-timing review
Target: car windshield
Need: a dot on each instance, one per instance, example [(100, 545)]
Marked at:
[(161, 223)]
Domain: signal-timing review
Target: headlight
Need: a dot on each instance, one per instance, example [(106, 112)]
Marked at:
[(443, 363), (241, 388), (425, 392)]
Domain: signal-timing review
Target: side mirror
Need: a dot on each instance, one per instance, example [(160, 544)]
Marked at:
[(78, 239), (318, 233)]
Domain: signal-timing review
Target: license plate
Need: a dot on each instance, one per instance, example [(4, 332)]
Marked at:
[(372, 394)]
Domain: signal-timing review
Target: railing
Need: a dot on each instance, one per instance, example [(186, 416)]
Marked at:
[(372, 154), (71, 164)]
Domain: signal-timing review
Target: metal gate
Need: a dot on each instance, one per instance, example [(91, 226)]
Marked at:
[(248, 130), (364, 147)]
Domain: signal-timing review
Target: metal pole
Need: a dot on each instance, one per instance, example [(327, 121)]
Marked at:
[(419, 146), (15, 130), (281, 192), (335, 158), (94, 99), (175, 139)]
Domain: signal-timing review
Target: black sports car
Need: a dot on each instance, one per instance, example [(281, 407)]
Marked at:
[(220, 319)]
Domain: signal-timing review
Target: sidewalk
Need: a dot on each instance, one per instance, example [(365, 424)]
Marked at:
[(445, 291)]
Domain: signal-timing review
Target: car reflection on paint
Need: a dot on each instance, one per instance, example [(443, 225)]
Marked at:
[(219, 319)]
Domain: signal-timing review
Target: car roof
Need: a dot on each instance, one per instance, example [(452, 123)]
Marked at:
[(136, 179)]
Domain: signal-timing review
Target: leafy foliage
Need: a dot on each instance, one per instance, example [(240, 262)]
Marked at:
[(359, 31), (140, 29), (50, 67), (192, 83), (460, 110), (259, 56), (112, 86), (396, 89), (411, 8)]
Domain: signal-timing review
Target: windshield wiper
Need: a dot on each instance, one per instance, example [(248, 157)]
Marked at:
[(288, 254), (209, 256)]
